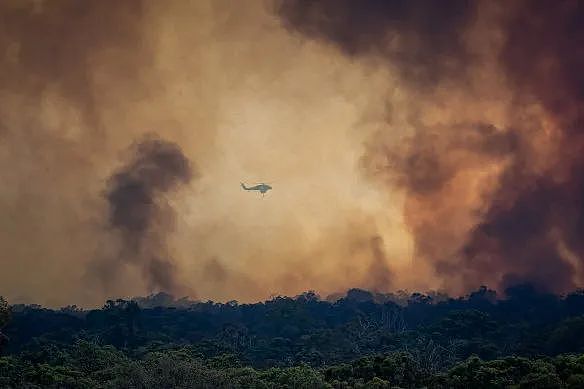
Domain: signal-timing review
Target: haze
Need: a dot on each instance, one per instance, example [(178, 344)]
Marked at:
[(409, 150)]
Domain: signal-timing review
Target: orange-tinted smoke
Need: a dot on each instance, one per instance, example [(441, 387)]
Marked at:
[(494, 199), (467, 116)]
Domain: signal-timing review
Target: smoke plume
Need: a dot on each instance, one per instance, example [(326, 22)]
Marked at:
[(494, 200), (140, 212)]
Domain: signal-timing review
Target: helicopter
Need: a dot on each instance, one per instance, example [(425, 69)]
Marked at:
[(262, 188)]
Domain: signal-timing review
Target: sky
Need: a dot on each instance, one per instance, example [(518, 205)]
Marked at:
[(414, 145)]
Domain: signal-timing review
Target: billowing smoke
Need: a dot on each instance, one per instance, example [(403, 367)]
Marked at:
[(140, 212), (421, 37), (494, 196), (415, 144), (534, 225)]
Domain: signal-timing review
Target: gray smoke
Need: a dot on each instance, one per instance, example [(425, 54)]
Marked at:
[(139, 212)]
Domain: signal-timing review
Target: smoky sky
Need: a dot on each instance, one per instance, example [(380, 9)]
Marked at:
[(522, 225), (411, 144), (56, 45)]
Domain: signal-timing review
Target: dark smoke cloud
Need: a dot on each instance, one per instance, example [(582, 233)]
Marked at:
[(518, 237), (421, 37), (544, 56), (139, 210), (530, 222)]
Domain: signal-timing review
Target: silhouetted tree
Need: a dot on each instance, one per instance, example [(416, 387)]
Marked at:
[(4, 319)]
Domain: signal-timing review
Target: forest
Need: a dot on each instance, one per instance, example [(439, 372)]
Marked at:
[(524, 339)]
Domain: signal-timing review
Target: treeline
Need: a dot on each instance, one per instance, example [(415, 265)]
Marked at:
[(526, 338), (87, 365)]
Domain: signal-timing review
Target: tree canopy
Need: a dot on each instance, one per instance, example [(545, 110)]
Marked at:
[(528, 339)]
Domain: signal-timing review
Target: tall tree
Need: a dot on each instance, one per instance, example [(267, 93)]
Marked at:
[(4, 318)]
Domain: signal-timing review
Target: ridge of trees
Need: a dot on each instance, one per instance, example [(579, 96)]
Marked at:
[(360, 339)]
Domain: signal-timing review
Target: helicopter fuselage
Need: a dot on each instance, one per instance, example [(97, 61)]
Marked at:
[(262, 188)]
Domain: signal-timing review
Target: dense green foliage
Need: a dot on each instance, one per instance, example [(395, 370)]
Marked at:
[(527, 340), (87, 365)]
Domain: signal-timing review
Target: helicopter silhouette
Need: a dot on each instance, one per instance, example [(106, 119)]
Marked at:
[(262, 188)]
